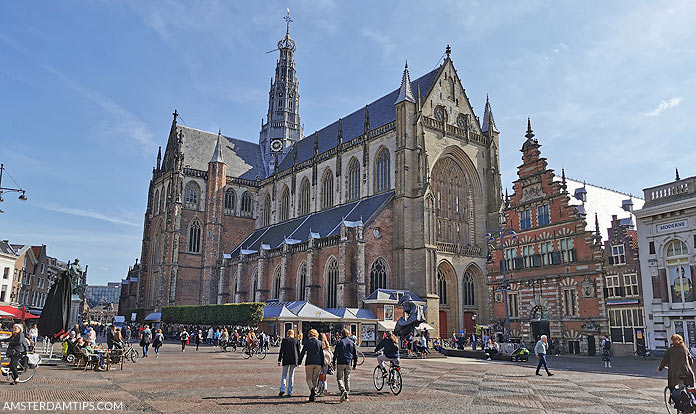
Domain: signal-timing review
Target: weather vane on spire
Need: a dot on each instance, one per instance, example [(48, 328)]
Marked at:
[(288, 21)]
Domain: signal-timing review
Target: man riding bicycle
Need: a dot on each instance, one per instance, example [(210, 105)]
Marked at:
[(251, 340), (391, 351)]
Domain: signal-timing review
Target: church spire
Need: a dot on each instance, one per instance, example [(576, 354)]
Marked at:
[(488, 121), (530, 133), (282, 126), (217, 154), (405, 92)]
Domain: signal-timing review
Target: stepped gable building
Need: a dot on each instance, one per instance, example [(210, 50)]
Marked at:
[(553, 267), (623, 291), (397, 195)]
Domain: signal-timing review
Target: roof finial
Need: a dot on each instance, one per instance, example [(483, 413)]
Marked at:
[(367, 118), (340, 130), (530, 133), (448, 50), (677, 171), (488, 121), (288, 20), (564, 184), (176, 115), (598, 235)]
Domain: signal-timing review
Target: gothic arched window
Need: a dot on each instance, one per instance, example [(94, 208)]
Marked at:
[(327, 200), (304, 197), (382, 171), (246, 203), (162, 200), (155, 207), (302, 281), (194, 242), (254, 286), (331, 279), (276, 283), (454, 202), (266, 217), (468, 290), (285, 204), (230, 200), (353, 180), (442, 287), (378, 275), (192, 195)]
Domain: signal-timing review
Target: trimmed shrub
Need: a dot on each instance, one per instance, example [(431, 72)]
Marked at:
[(248, 314)]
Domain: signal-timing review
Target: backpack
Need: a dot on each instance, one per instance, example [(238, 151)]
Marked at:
[(607, 345)]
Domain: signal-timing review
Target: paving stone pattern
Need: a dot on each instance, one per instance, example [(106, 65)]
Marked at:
[(213, 382)]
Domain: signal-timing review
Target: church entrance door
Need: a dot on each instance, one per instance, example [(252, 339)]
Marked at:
[(443, 324), (469, 322)]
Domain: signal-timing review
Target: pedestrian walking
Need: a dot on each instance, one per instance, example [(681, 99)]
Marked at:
[(315, 359), (34, 334), (157, 342), (110, 337), (145, 339), (199, 339), (211, 334), (344, 356), (288, 357), (678, 359), (92, 335), (606, 351), (118, 339), (540, 350), (184, 338), (323, 387)]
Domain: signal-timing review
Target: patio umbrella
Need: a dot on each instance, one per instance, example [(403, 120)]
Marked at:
[(4, 314), (55, 315)]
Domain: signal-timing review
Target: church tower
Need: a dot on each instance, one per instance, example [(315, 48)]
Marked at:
[(282, 127)]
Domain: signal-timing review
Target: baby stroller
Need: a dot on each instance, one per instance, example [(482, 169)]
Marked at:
[(520, 354), (70, 351)]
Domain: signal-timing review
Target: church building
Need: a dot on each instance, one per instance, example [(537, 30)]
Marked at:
[(398, 194)]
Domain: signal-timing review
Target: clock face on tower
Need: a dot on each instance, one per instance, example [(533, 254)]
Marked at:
[(276, 145)]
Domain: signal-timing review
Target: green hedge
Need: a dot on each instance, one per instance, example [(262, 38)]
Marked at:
[(139, 312), (246, 314)]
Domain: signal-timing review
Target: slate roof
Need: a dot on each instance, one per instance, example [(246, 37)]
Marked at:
[(603, 201), (6, 248), (243, 158), (352, 313), (325, 222), (381, 112)]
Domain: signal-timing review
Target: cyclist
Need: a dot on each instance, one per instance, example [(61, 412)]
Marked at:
[(679, 361), (17, 350), (391, 351), (251, 340)]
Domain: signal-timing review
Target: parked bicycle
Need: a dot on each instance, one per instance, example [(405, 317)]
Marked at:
[(393, 377), (645, 353), (255, 350), (128, 353), (26, 368)]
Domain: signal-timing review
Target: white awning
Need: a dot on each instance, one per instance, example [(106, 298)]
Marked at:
[(386, 325)]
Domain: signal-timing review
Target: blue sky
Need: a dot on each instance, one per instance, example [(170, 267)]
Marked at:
[(87, 90)]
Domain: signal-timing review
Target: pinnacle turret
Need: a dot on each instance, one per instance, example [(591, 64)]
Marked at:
[(217, 154), (405, 92), (488, 121)]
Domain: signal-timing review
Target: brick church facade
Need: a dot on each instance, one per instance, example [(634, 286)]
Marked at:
[(554, 265), (398, 194)]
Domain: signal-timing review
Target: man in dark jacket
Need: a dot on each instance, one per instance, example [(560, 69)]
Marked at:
[(110, 337), (315, 361), (288, 356), (16, 350), (344, 356)]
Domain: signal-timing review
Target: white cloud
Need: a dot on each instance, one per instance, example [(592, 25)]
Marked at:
[(665, 105), (381, 40), (89, 214)]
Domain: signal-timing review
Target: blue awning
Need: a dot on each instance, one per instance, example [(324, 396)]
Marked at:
[(154, 316)]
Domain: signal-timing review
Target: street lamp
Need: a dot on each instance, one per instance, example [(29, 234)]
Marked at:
[(502, 233), (19, 189)]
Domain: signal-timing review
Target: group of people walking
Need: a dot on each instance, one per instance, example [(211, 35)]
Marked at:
[(320, 361)]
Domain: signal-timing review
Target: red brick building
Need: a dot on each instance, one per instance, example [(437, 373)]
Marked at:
[(554, 267)]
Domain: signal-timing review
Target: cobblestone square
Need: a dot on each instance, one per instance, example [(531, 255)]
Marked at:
[(214, 382)]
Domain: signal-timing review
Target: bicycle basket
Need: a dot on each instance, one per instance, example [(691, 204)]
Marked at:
[(33, 360)]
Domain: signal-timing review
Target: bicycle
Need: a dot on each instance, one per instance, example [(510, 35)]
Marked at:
[(26, 368), (255, 350), (128, 353), (638, 353), (361, 358), (393, 378), (671, 404)]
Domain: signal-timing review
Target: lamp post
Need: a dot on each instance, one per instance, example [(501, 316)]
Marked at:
[(502, 232), (22, 196)]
